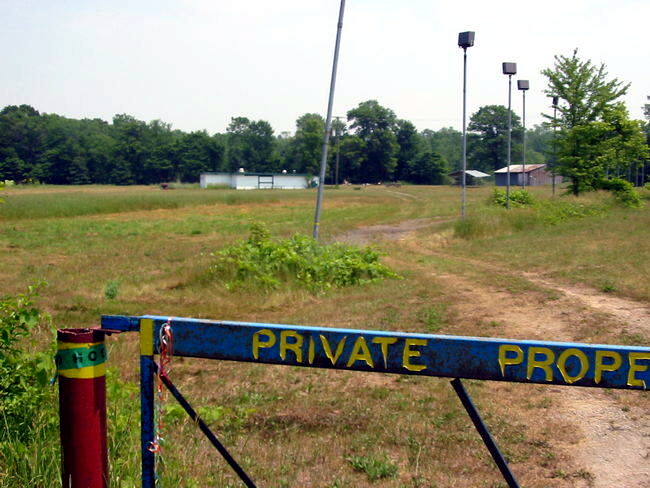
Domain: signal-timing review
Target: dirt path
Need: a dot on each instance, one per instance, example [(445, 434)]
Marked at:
[(613, 448), (387, 232), (634, 314)]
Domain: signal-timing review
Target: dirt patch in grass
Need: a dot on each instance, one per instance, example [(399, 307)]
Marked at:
[(634, 314), (388, 232)]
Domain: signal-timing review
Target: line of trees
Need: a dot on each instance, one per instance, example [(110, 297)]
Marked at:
[(373, 145), (595, 139)]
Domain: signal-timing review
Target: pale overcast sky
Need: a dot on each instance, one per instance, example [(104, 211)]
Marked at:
[(197, 63)]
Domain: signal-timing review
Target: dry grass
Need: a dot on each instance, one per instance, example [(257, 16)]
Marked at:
[(295, 427)]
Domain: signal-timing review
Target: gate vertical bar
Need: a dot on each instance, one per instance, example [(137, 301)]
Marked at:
[(147, 371), (207, 432), (485, 433), (81, 367)]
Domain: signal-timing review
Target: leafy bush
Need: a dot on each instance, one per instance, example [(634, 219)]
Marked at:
[(262, 263), (23, 375), (518, 198), (622, 190)]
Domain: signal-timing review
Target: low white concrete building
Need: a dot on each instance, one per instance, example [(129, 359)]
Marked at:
[(258, 181)]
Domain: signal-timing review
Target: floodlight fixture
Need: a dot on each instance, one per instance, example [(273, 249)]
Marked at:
[(509, 68), (556, 100), (466, 39), (523, 86)]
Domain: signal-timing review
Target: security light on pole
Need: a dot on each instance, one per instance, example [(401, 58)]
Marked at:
[(523, 86), (556, 100), (509, 69), (465, 40)]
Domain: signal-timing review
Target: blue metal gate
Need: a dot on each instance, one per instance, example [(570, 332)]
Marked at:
[(457, 357)]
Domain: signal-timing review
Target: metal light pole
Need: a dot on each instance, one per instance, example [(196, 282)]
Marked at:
[(523, 86), (465, 40), (328, 124), (509, 69), (555, 102), (338, 150)]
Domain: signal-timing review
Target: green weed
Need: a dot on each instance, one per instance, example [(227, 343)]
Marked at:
[(375, 468), (263, 264), (518, 198), (432, 317), (112, 289)]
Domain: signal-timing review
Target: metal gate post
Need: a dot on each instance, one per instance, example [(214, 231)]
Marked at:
[(485, 433), (147, 371), (81, 367)]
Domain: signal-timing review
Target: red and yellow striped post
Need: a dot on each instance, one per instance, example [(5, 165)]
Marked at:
[(81, 367)]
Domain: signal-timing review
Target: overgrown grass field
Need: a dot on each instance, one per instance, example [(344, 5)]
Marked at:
[(142, 250)]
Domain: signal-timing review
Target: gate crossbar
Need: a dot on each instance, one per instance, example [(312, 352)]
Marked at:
[(544, 362)]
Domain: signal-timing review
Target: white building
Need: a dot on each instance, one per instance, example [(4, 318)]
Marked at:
[(258, 181)]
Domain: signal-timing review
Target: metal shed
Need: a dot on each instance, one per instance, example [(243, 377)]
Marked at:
[(472, 177), (535, 174), (258, 181)]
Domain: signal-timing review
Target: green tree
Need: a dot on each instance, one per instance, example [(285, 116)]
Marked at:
[(21, 140), (410, 148), (583, 90), (448, 143), (352, 159), (489, 151), (599, 148), (375, 125), (428, 168), (306, 145), (195, 153), (596, 136), (251, 145)]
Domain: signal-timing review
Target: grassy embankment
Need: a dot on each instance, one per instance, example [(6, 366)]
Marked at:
[(148, 249)]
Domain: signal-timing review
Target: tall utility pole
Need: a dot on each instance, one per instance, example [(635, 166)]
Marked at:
[(509, 69), (328, 124), (465, 40), (338, 149), (523, 86), (555, 102)]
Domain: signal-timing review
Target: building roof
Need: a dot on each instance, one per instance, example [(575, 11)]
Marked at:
[(472, 172), (247, 173), (518, 168)]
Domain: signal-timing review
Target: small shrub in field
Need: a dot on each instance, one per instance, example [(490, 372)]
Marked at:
[(112, 289), (518, 198), (374, 468), (262, 263), (623, 191)]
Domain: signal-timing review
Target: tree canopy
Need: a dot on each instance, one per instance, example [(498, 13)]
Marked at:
[(596, 138), (490, 151)]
